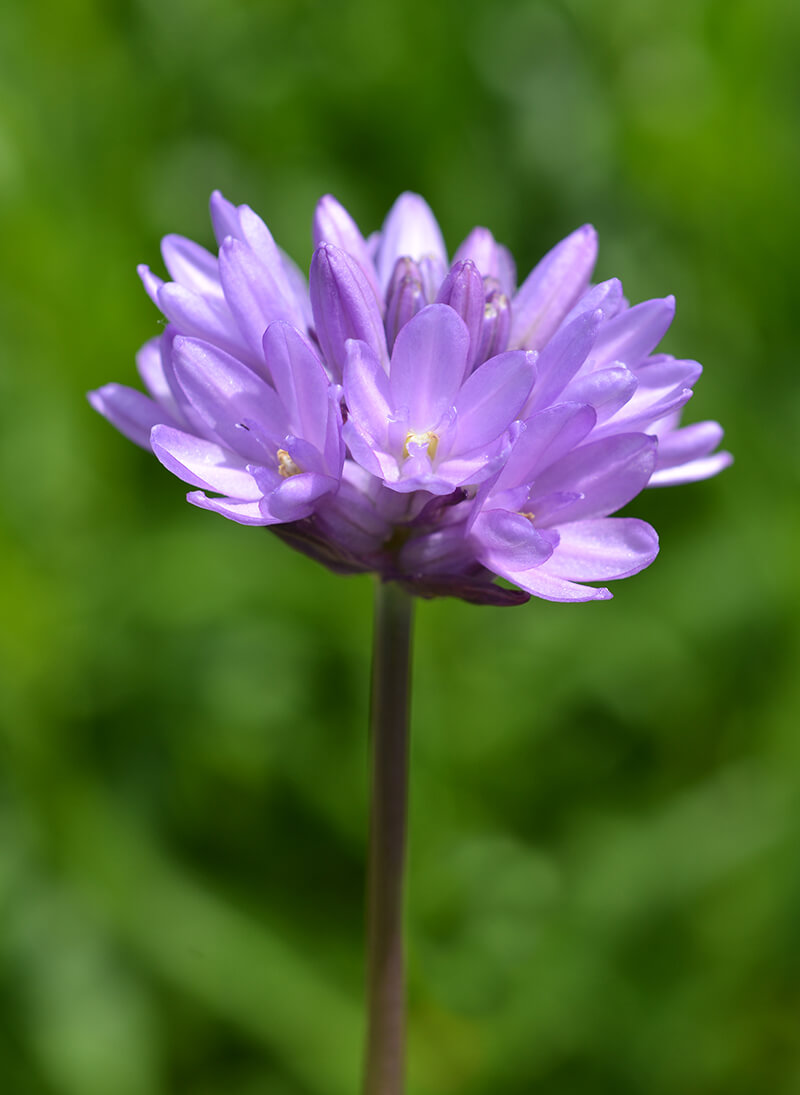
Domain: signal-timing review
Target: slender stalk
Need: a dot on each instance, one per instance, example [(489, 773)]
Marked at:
[(389, 711)]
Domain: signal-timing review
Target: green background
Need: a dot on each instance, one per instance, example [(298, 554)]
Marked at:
[(604, 890)]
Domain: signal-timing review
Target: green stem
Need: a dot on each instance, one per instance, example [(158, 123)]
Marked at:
[(389, 711)]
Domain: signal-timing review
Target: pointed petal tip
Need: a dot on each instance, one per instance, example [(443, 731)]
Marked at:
[(218, 207), (188, 344), (152, 282), (464, 267), (584, 238), (667, 303), (242, 513), (157, 432), (587, 234), (663, 304), (329, 202), (411, 195), (100, 398), (325, 250)]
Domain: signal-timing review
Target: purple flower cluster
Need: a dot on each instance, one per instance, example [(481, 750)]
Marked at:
[(426, 420)]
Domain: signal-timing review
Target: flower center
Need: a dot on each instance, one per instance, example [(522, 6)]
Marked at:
[(286, 466), (528, 515), (428, 440)]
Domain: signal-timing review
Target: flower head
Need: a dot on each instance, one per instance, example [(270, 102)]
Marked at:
[(425, 420)]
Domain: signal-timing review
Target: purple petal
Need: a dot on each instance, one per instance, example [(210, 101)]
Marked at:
[(350, 516), (476, 466), (416, 475), (548, 507), (690, 443), (367, 393), (132, 412), (445, 551), (297, 286), (547, 437), (602, 549), (607, 390), (366, 452), (244, 513), (259, 239), (563, 357), (639, 416), (633, 334), (306, 456), (491, 399), (295, 497), (257, 294), (428, 365), (693, 471), (191, 265), (203, 463), (150, 366), (300, 381), (662, 373), (187, 418), (152, 283), (506, 272), (504, 539), (203, 317), (410, 230), (344, 307), (226, 394), (432, 271), (224, 218), (550, 588), (333, 224), (551, 289), (333, 447), (491, 258), (605, 296), (606, 473), (663, 389)]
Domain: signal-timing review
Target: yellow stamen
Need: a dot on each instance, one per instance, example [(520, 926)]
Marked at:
[(286, 466), (528, 515), (429, 440)]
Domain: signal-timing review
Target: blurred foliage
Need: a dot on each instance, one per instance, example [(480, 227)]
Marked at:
[(604, 881)]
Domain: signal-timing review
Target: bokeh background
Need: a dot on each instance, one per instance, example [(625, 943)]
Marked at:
[(605, 828)]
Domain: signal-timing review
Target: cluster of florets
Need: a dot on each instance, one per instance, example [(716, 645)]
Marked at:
[(427, 421)]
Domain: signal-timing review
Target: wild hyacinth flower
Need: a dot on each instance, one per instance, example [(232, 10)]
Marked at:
[(427, 420), (310, 409)]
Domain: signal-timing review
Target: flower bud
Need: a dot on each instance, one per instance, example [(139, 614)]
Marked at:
[(495, 326), (404, 297), (463, 290), (344, 307)]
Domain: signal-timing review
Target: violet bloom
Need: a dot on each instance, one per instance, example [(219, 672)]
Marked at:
[(427, 425), (427, 420)]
